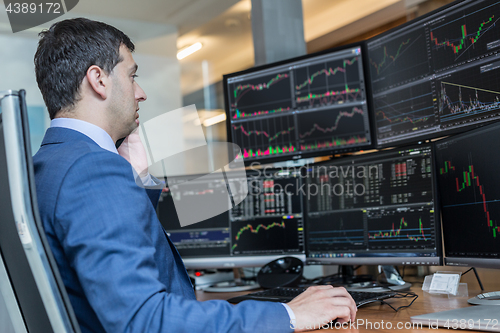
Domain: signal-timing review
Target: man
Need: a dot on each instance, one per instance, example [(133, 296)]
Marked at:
[(120, 270)]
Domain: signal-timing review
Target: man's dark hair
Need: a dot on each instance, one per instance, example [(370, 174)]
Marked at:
[(67, 50)]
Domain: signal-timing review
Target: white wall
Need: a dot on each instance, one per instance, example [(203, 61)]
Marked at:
[(159, 70), (17, 71)]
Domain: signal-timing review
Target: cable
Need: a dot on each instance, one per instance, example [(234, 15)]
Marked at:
[(477, 277), (402, 295)]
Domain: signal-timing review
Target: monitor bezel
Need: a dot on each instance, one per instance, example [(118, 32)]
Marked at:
[(300, 155), (386, 260), (238, 261), (466, 261)]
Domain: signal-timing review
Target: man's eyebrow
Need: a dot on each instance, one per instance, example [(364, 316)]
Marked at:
[(134, 68)]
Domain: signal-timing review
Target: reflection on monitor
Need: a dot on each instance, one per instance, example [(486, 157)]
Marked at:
[(267, 225), (309, 106), (468, 180), (436, 75), (374, 209)]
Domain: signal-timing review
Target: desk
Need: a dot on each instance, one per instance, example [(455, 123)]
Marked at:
[(376, 312)]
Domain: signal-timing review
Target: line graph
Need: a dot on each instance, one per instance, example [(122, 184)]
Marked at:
[(469, 34), (336, 231), (342, 114), (327, 72), (330, 97), (332, 128), (398, 59), (406, 110), (388, 59), (241, 90), (253, 230), (264, 133), (265, 234), (328, 83), (469, 95), (458, 108), (261, 95)]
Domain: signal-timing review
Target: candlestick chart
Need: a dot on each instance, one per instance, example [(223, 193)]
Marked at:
[(466, 35), (266, 136), (328, 83), (471, 190), (468, 178)]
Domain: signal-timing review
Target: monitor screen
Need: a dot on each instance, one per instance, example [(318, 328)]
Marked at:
[(468, 178), (265, 226), (374, 209), (436, 75), (309, 106)]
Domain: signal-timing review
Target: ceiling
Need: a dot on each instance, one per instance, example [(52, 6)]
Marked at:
[(227, 38), (224, 27), (186, 15)]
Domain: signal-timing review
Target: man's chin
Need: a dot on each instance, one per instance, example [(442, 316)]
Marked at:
[(134, 126)]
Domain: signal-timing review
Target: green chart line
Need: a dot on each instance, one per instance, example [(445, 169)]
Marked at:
[(256, 230), (386, 56)]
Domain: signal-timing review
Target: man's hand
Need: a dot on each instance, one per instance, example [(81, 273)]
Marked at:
[(318, 305), (133, 151)]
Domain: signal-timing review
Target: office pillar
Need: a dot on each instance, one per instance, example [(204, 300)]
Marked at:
[(278, 30)]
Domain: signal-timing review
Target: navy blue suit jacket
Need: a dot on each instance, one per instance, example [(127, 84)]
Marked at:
[(120, 270)]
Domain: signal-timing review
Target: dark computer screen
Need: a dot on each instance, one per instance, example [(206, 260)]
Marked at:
[(266, 225), (468, 178), (308, 106), (374, 209), (436, 75)]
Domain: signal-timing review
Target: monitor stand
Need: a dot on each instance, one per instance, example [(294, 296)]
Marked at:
[(352, 282), (233, 286)]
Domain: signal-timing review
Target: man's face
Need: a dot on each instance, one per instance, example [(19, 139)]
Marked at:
[(125, 95)]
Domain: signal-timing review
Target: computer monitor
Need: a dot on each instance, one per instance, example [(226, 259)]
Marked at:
[(436, 75), (468, 180), (307, 106), (267, 225), (374, 209)]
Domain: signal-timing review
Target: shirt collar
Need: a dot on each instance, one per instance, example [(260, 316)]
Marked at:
[(97, 134)]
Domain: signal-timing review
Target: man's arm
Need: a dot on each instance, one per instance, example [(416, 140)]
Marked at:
[(105, 225)]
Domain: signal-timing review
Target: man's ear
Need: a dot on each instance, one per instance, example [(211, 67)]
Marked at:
[(98, 80)]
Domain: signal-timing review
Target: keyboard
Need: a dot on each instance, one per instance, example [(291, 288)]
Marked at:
[(285, 295)]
